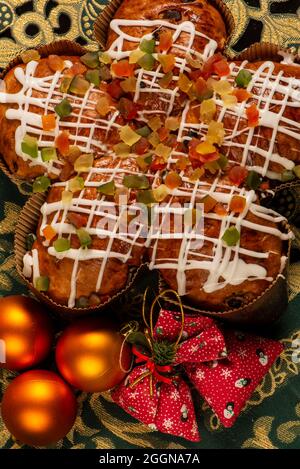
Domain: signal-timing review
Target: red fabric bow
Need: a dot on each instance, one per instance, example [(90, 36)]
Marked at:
[(225, 377)]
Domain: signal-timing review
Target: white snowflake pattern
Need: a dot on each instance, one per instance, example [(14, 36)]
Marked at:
[(175, 395), (242, 353), (152, 412), (167, 424), (200, 374), (194, 348), (134, 394), (194, 429), (226, 373), (215, 338)]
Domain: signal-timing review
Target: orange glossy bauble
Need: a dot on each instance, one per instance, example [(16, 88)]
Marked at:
[(38, 408), (88, 355), (26, 332)]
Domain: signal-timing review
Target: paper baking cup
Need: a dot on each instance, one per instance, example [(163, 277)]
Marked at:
[(101, 26), (27, 223), (264, 310), (264, 51), (58, 48)]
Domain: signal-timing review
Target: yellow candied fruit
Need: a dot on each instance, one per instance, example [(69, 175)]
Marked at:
[(182, 163), (229, 100), (135, 56), (154, 139), (29, 55), (184, 83), (172, 123), (84, 163), (208, 110), (67, 197), (103, 106), (222, 87), (196, 174), (160, 193), (154, 123), (129, 85), (122, 150), (105, 58), (163, 151), (129, 136), (192, 217), (205, 148), (215, 133)]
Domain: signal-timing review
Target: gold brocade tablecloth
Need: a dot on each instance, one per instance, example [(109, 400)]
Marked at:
[(271, 418)]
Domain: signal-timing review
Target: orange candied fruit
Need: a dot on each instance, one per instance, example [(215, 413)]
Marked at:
[(237, 204), (62, 143), (123, 68), (56, 63), (221, 68), (49, 122), (167, 62), (49, 232), (173, 180), (252, 115), (241, 94), (77, 69), (220, 210), (165, 41)]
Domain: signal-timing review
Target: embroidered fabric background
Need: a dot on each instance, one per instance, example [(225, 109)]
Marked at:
[(271, 418)]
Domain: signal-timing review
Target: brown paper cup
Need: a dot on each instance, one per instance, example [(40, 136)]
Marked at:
[(101, 26), (27, 224), (264, 310), (58, 48), (264, 51)]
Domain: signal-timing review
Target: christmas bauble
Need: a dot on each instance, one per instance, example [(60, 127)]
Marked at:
[(92, 356), (38, 408), (26, 332)]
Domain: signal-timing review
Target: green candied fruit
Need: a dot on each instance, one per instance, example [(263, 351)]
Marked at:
[(90, 59), (147, 45), (42, 283), (62, 244), (63, 109), (84, 238), (145, 197), (287, 176), (82, 302), (243, 78), (231, 236), (30, 146), (144, 161), (144, 131), (134, 181), (76, 184), (104, 72), (65, 84), (93, 76), (147, 62), (48, 154), (79, 86), (41, 184), (296, 170), (253, 180), (222, 161), (108, 188)]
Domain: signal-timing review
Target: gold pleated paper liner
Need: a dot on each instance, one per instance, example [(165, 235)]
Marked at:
[(58, 48), (101, 26), (27, 224)]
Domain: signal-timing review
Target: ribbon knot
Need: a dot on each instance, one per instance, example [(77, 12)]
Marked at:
[(153, 368)]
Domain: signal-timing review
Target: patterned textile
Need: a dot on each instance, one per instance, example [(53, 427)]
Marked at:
[(271, 418)]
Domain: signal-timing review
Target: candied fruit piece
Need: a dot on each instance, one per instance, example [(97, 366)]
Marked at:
[(221, 87), (129, 136), (184, 83), (173, 180), (243, 78), (145, 197), (122, 68), (79, 86), (90, 59), (135, 56), (167, 62), (215, 132), (29, 55), (155, 123), (237, 175), (160, 193), (41, 184), (122, 150), (128, 109), (76, 69), (65, 84), (241, 94), (163, 133), (237, 204), (172, 123), (84, 163), (144, 161), (163, 151), (182, 163), (93, 76), (220, 210), (129, 85), (48, 154), (141, 147), (158, 164), (147, 62), (134, 181), (221, 68), (253, 180), (29, 146), (165, 80), (62, 143), (76, 184), (194, 63), (49, 232), (209, 203), (56, 63), (165, 41), (154, 139), (231, 236), (84, 237), (205, 148), (108, 188), (208, 110), (114, 89), (42, 283), (229, 100), (144, 131), (49, 122), (66, 197), (196, 174), (103, 106), (62, 244), (252, 115), (63, 109), (105, 58), (147, 45)]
